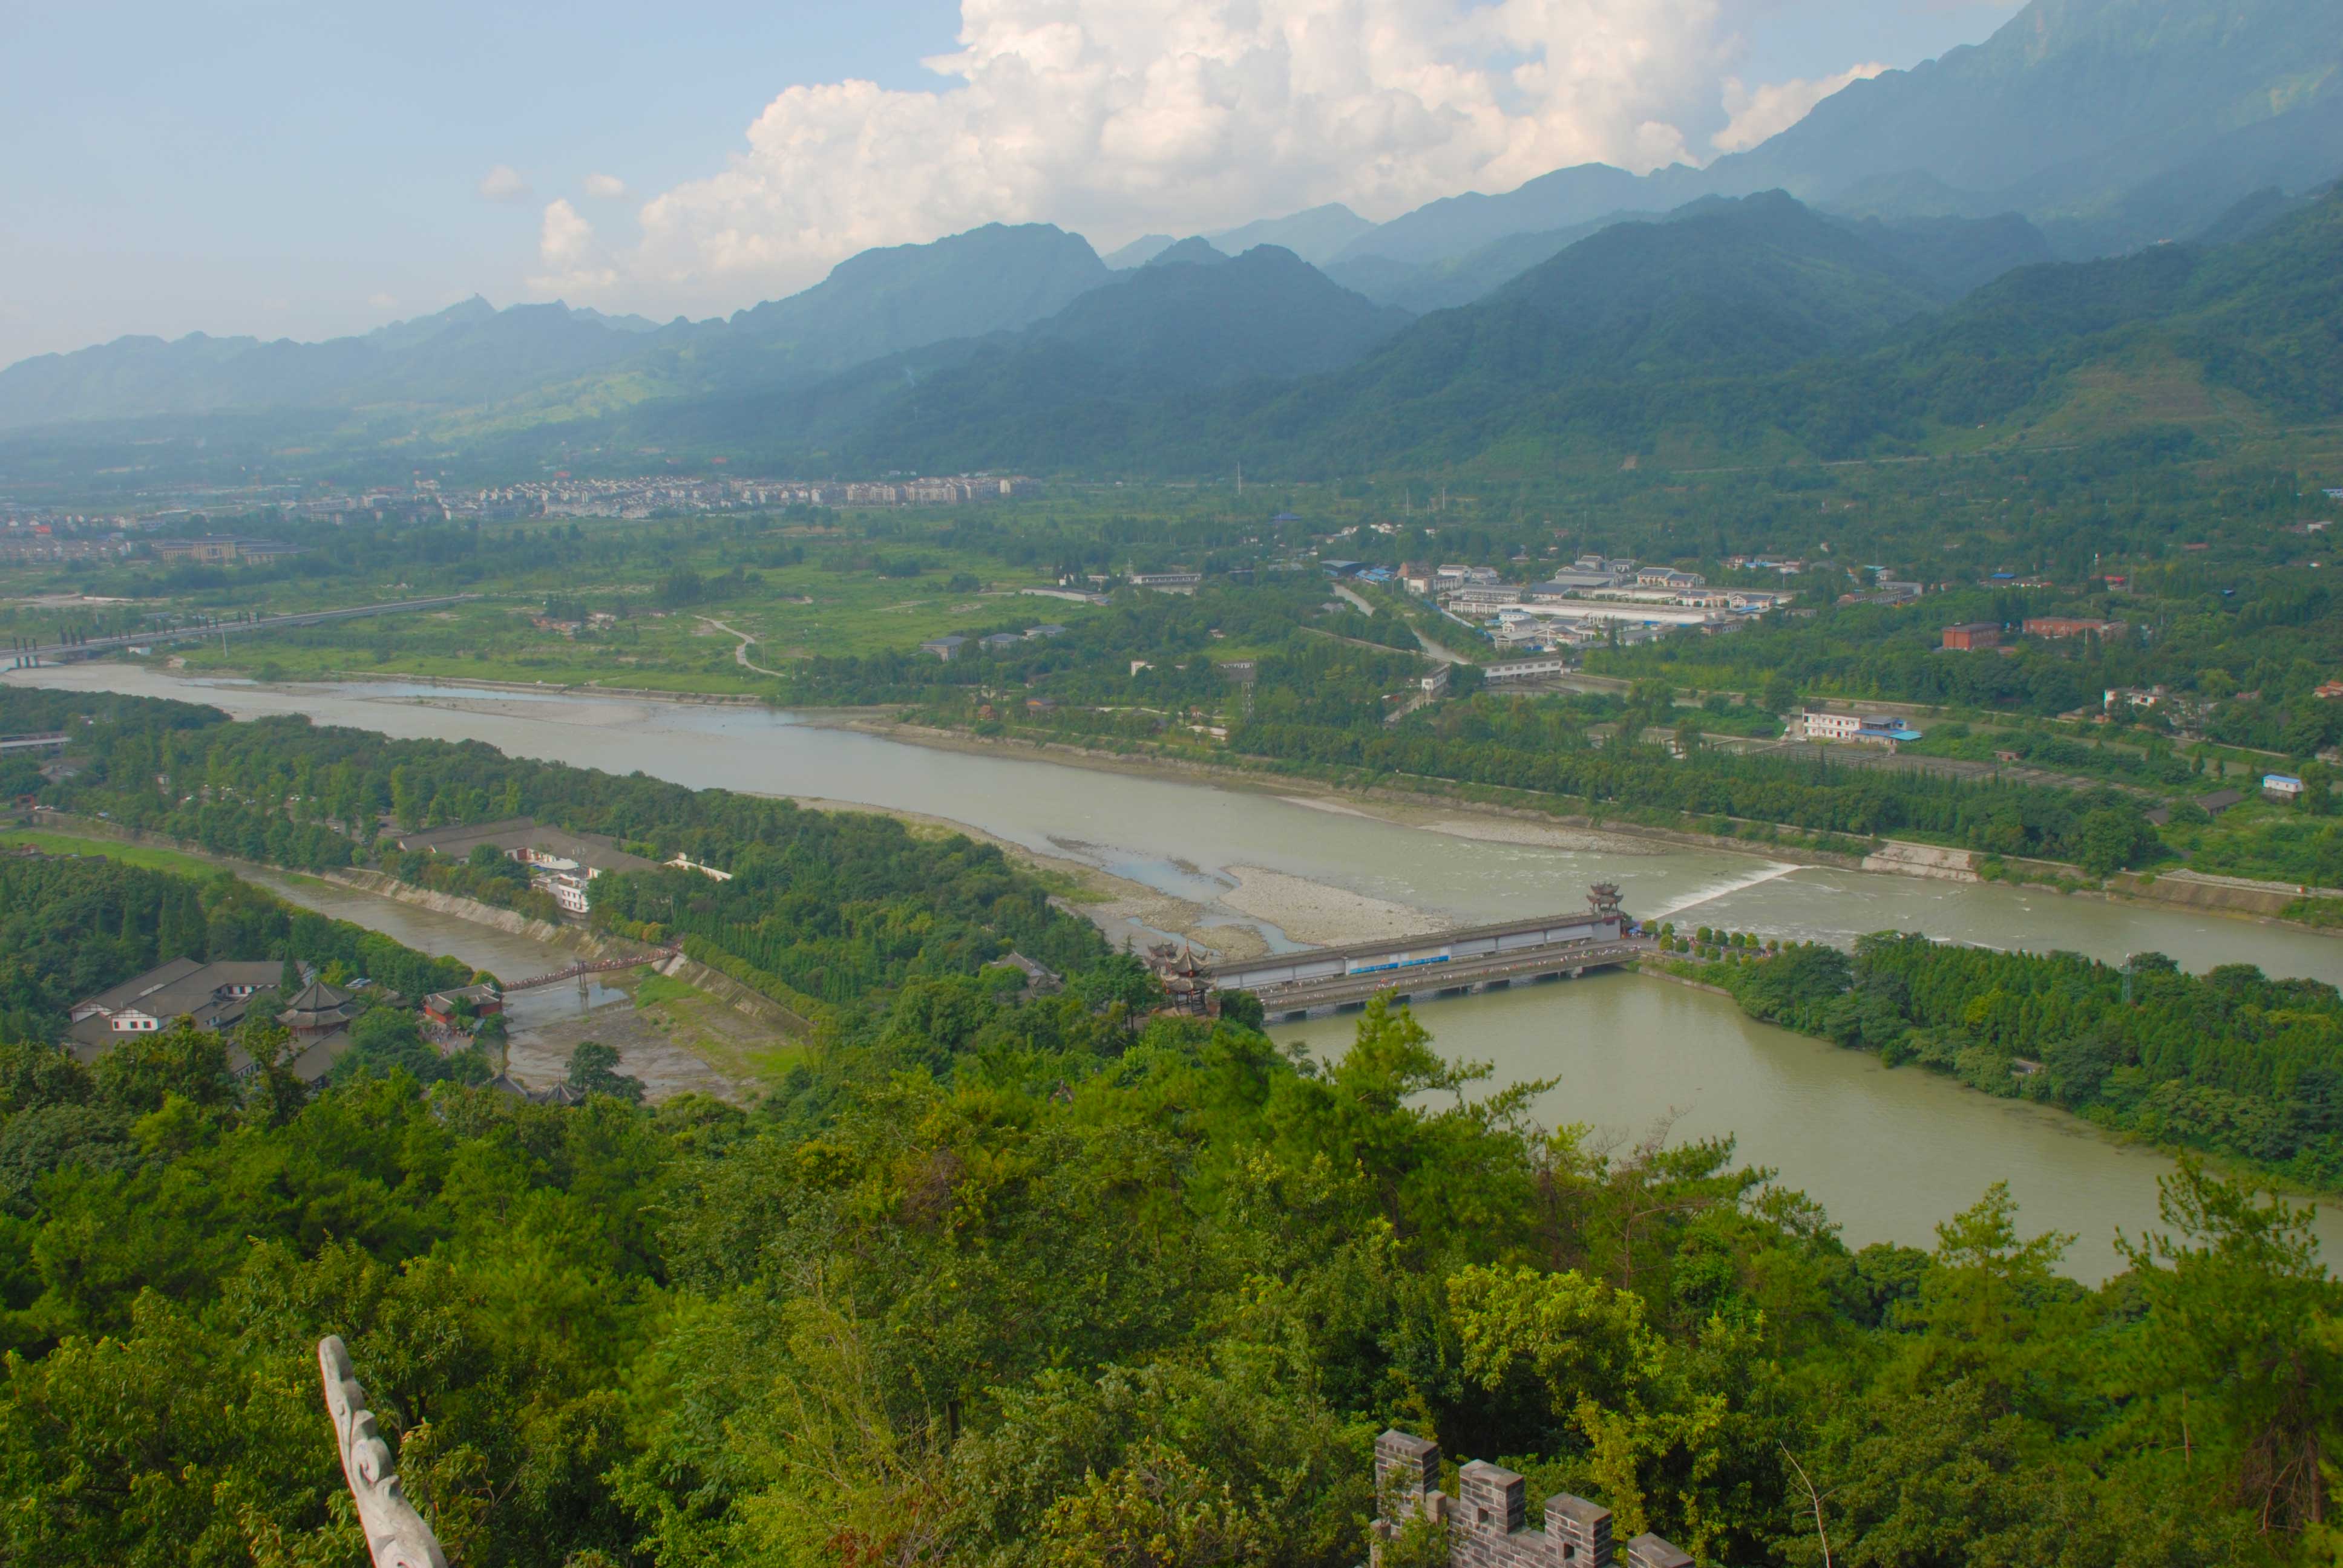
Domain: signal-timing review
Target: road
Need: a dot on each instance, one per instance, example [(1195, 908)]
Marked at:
[(739, 653), (58, 651)]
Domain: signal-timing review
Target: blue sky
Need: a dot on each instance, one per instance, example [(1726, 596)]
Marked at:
[(308, 170)]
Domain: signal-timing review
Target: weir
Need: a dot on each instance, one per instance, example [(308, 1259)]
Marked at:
[(1458, 962)]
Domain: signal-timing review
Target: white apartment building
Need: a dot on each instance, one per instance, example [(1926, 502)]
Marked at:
[(1830, 725), (1527, 669)]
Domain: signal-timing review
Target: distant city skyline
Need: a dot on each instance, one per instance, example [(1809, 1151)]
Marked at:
[(257, 167)]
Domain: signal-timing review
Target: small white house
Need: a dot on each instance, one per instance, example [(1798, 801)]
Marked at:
[(2282, 787)]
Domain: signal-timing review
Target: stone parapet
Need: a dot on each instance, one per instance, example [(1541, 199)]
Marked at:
[(1488, 1520)]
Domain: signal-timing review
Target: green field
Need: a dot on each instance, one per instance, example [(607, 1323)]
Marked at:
[(53, 843)]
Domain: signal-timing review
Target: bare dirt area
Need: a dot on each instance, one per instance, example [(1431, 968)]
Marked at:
[(676, 1038), (1319, 913)]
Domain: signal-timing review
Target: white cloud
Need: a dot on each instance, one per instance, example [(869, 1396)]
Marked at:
[(574, 259), (608, 187), (1116, 117), (503, 183), (1767, 110), (381, 301)]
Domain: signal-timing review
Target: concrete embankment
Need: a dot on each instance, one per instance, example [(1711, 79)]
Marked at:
[(1924, 860), (508, 921), (2216, 895)]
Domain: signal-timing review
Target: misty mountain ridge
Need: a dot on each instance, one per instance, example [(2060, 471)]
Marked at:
[(1753, 331), (485, 352), (1165, 329), (996, 278), (2082, 127), (2110, 123), (1723, 287)]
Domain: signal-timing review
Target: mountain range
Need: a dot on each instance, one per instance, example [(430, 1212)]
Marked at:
[(1905, 206)]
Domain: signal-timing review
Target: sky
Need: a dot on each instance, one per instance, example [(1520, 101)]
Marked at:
[(314, 168)]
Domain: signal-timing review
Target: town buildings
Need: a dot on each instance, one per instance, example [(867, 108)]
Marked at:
[(1973, 634), (651, 495), (224, 550)]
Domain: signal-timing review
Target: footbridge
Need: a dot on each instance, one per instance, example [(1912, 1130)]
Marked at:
[(1458, 962)]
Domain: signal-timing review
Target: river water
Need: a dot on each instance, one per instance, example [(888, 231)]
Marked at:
[(1889, 1152)]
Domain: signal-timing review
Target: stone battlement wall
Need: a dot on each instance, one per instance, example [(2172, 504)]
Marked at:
[(1487, 1520)]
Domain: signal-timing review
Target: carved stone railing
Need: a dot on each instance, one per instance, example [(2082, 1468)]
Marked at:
[(396, 1535)]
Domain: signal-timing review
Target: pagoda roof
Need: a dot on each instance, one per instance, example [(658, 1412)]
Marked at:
[(318, 1005)]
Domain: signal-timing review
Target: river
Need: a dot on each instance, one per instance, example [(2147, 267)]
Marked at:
[(1889, 1152)]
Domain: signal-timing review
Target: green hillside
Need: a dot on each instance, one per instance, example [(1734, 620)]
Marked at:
[(1727, 288), (1754, 328), (1170, 328)]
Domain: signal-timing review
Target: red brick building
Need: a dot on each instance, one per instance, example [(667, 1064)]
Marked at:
[(1974, 635)]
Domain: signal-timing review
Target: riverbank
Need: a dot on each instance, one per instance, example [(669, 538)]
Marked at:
[(544, 687), (688, 1029), (1462, 816), (1892, 1153), (1953, 1056), (1120, 907)]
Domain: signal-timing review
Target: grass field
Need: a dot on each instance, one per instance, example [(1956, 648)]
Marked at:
[(687, 1019), (51, 843), (793, 613)]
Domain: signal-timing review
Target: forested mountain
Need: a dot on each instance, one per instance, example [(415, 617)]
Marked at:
[(2110, 123), (1171, 327), (471, 352), (2082, 128), (1735, 286), (997, 279), (1953, 255), (1444, 284), (1315, 236), (1755, 326), (1139, 252), (882, 302)]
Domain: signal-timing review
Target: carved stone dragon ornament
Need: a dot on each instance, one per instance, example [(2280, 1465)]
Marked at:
[(396, 1535)]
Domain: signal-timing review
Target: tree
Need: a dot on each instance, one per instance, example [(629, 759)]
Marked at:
[(385, 1040), (2109, 840), (593, 1070), (2240, 1343), (1242, 1009)]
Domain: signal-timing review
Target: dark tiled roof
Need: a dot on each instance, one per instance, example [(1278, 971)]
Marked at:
[(130, 990), (319, 1006)]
